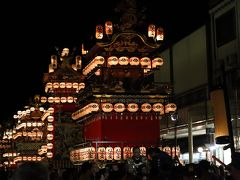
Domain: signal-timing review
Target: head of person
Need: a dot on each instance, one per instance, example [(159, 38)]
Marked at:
[(136, 152), (31, 170)]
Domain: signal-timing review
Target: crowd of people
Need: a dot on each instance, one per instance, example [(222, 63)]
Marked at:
[(157, 165)]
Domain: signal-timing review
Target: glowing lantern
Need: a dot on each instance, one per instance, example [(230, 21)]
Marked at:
[(151, 30), (62, 85), (99, 60), (126, 152), (50, 127), (57, 99), (107, 107), (75, 85), (160, 34), (78, 62), (70, 99), (50, 99), (170, 107), (132, 107), (49, 154), (43, 99), (54, 61), (56, 85), (39, 158), (101, 152), (146, 107), (109, 153), (51, 110), (49, 145), (158, 107), (123, 60), (93, 107), (68, 85), (134, 61), (81, 86), (108, 28), (143, 151), (49, 137), (157, 62), (145, 61), (34, 158), (50, 118), (119, 107), (91, 153), (117, 154), (63, 99), (24, 158), (99, 32), (113, 60)]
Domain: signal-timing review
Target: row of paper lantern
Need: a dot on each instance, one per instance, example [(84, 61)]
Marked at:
[(103, 153), (69, 99), (113, 60), (120, 107), (135, 61), (62, 85), (28, 158)]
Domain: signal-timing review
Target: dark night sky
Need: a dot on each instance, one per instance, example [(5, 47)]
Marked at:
[(31, 30)]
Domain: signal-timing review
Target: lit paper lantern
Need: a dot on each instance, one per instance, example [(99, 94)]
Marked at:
[(43, 99), (145, 61), (81, 86), (107, 107), (108, 28), (49, 137), (54, 61), (49, 145), (134, 61), (93, 107), (126, 153), (113, 60), (68, 85), (146, 107), (50, 118), (143, 151), (50, 127), (91, 153), (158, 107), (160, 34), (132, 107), (101, 152), (57, 99), (109, 153), (49, 154), (119, 107), (157, 62), (56, 85), (50, 99), (63, 99), (123, 60), (75, 85), (151, 30), (170, 107), (99, 32), (62, 85), (70, 99), (117, 153)]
